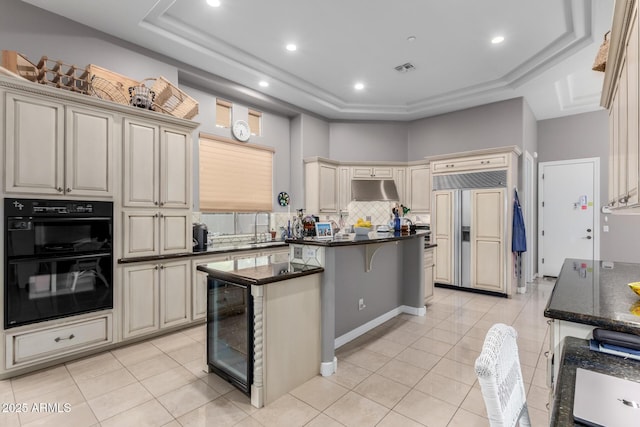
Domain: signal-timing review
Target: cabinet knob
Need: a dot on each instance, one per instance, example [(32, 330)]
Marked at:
[(588, 237), (59, 189), (157, 215), (155, 203), (156, 267), (161, 203), (588, 230), (68, 190), (161, 266)]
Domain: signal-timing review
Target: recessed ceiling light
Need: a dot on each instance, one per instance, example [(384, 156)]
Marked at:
[(411, 39), (359, 86), (292, 47), (497, 39), (213, 3), (264, 84)]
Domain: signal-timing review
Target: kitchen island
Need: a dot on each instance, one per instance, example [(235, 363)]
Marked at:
[(263, 324), (588, 294), (367, 280)]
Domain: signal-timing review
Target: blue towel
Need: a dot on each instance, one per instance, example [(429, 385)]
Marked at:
[(519, 235)]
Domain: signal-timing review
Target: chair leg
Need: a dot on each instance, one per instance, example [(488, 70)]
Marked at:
[(524, 420)]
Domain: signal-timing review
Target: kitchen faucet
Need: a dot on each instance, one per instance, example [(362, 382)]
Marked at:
[(255, 225)]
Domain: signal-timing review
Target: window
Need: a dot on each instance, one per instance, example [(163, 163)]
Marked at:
[(255, 122), (223, 113), (235, 177)]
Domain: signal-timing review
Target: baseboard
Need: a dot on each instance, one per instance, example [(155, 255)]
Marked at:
[(329, 368), (363, 329)]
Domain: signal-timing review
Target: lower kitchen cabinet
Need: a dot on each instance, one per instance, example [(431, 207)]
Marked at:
[(199, 290), (429, 264), (155, 296), (32, 346)]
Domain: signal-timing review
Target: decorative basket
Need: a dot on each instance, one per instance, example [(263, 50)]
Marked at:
[(110, 85), (171, 100)]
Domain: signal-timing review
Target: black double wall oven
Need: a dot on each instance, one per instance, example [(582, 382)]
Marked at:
[(58, 259)]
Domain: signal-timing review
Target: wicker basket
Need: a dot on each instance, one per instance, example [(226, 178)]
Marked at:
[(171, 100), (107, 84)]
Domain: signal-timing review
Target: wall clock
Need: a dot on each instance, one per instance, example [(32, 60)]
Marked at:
[(241, 130)]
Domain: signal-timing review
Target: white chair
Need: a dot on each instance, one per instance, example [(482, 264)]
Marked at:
[(500, 378)]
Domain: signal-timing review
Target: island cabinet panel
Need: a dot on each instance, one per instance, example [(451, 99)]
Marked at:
[(155, 296), (57, 149), (199, 288), (292, 343), (442, 233), (429, 264)]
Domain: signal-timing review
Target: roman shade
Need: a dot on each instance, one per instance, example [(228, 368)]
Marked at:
[(234, 177)]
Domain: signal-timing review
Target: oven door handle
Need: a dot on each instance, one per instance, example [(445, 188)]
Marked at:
[(58, 258), (35, 218)]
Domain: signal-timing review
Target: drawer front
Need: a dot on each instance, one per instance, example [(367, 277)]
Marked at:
[(471, 163), (428, 258), (57, 341)]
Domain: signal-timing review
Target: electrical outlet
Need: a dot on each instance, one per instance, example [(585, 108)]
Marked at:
[(297, 252), (361, 305)]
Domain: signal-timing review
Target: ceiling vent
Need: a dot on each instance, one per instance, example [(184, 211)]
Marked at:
[(404, 68)]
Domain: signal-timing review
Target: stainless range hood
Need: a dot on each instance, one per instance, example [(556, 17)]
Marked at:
[(370, 190)]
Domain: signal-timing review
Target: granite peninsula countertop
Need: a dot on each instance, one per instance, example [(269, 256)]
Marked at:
[(260, 270), (576, 354), (596, 293), (353, 239)]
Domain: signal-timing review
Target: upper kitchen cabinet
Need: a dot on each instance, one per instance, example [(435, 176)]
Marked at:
[(372, 172), (321, 186), (419, 188), (620, 95), (57, 148), (157, 165), (344, 190)]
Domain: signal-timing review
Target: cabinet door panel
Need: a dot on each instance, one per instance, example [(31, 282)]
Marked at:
[(328, 188), (175, 233), (443, 236), (345, 188), (419, 189), (175, 293), (89, 153), (141, 164), (34, 138), (140, 300), (622, 134), (176, 169), (140, 233), (487, 239), (633, 118)]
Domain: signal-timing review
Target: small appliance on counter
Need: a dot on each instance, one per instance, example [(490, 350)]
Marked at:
[(200, 234)]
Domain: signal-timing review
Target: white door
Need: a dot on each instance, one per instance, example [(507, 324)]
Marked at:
[(529, 205), (568, 214)]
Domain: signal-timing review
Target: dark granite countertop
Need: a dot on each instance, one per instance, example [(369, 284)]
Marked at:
[(211, 250), (258, 270), (597, 293), (576, 354), (352, 239)]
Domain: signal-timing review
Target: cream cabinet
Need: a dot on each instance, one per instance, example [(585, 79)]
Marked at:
[(419, 188), (344, 190), (57, 149), (157, 166), (155, 296), (467, 163), (620, 95), (372, 172), (199, 289), (442, 234), (400, 179), (429, 264), (487, 239), (321, 187), (156, 232), (29, 347)]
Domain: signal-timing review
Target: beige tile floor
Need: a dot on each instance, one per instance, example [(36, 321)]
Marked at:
[(410, 371)]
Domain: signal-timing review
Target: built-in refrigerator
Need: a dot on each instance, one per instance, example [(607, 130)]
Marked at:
[(461, 187)]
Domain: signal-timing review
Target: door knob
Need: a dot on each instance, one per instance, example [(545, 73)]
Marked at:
[(588, 230), (589, 237)]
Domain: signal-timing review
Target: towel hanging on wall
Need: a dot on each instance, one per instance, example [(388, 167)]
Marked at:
[(518, 236)]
